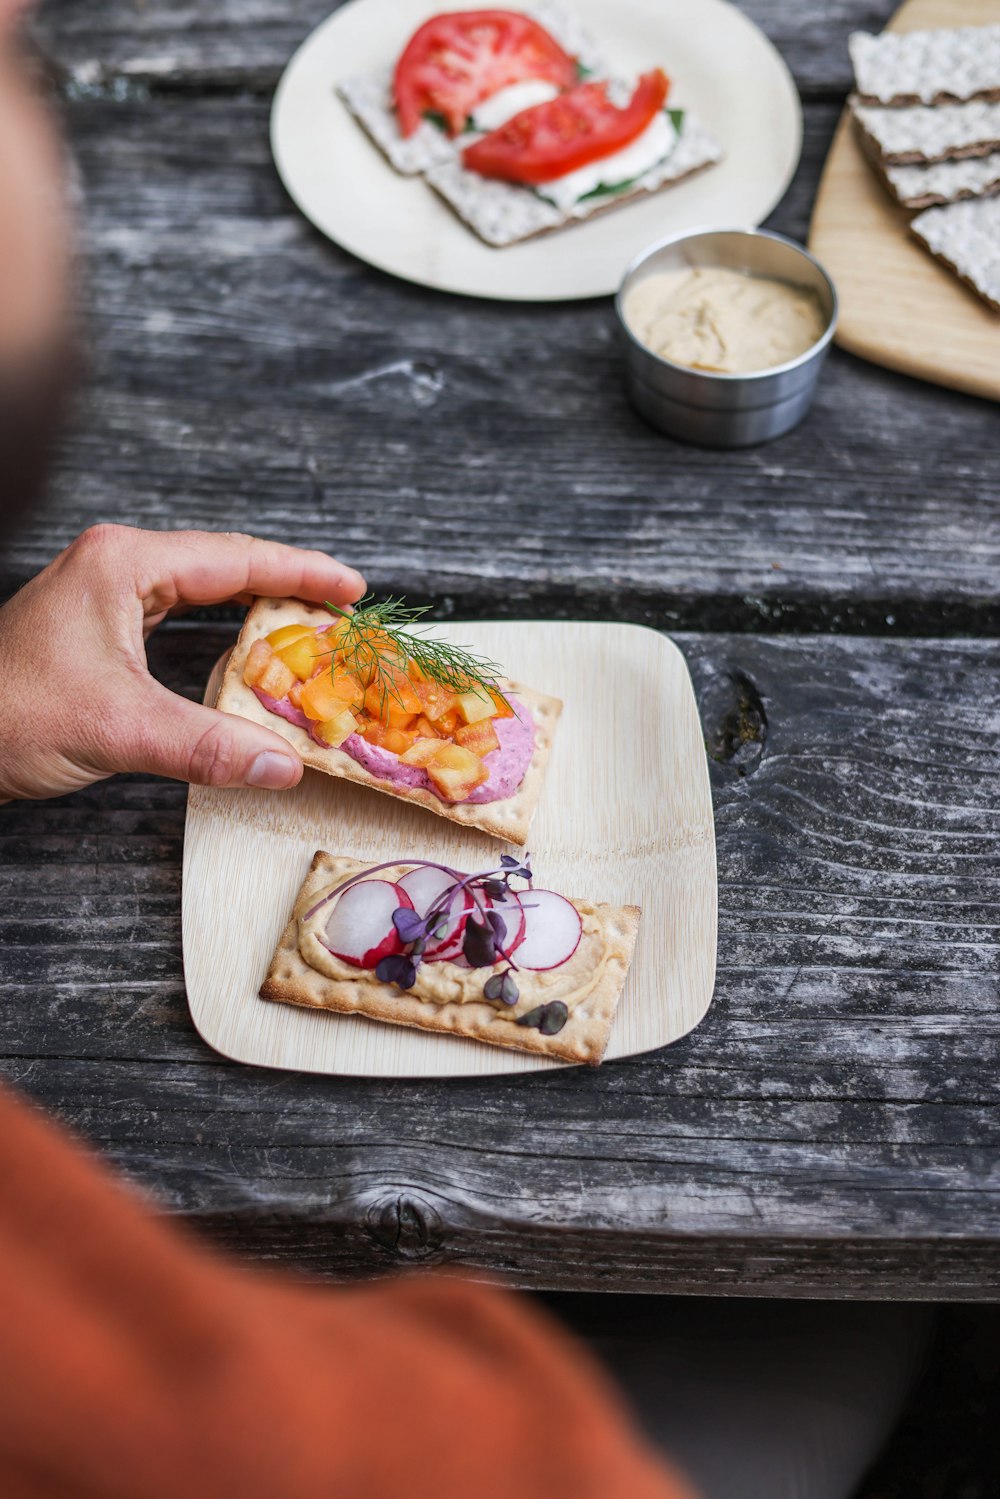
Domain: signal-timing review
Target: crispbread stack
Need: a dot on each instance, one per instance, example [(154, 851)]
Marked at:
[(927, 111)]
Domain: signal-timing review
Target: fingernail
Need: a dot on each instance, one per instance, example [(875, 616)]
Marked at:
[(272, 771)]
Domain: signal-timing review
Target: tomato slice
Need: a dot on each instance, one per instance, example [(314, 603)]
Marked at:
[(455, 61), (579, 127)]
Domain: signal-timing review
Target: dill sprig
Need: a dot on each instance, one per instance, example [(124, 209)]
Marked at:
[(381, 639)]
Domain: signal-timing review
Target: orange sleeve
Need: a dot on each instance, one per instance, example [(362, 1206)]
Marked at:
[(136, 1362)]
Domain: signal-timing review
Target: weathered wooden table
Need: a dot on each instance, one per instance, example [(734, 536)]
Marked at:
[(832, 1127)]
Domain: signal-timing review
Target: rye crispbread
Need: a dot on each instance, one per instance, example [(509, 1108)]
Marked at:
[(945, 66), (942, 181), (509, 818), (966, 238), (920, 134), (504, 213), (584, 1038)]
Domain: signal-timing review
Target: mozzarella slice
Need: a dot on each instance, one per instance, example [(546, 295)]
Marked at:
[(647, 150), (508, 102)]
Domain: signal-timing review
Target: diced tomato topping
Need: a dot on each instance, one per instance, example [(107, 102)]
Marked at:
[(455, 61), (580, 127)]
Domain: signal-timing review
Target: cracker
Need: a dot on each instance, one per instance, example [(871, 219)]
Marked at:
[(966, 238), (943, 181), (584, 1038), (503, 213), (509, 818), (920, 134), (369, 97), (927, 67)]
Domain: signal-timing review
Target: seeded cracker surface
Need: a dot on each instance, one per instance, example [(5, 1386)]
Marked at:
[(919, 133), (927, 67), (966, 238)]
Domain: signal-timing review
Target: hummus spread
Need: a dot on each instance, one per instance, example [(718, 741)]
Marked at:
[(712, 318), (451, 983)]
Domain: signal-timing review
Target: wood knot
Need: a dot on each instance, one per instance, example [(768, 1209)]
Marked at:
[(735, 721), (407, 1225)]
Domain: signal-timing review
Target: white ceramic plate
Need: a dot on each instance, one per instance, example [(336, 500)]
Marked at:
[(722, 66), (625, 816)]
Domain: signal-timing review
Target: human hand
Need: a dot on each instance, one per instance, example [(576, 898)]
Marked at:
[(77, 702)]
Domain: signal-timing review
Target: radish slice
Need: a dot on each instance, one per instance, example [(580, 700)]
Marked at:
[(512, 911), (423, 885), (359, 929), (449, 944), (552, 930)]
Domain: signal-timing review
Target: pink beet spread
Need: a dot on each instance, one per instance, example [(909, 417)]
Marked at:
[(506, 765)]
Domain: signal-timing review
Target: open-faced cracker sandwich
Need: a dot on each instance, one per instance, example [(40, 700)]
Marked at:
[(485, 956), (366, 697)]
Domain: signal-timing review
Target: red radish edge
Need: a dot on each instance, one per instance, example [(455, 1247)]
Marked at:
[(552, 932), (359, 929)]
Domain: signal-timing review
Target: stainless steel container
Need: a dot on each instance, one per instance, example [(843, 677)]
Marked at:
[(726, 411)]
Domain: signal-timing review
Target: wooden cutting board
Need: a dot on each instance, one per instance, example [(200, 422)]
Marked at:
[(625, 816), (898, 306)]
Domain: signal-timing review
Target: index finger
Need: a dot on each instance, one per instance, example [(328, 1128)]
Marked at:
[(209, 567)]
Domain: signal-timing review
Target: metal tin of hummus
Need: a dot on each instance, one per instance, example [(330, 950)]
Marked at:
[(707, 405)]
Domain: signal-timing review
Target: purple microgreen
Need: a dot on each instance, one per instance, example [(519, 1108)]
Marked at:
[(502, 986), (495, 889), (499, 927), (398, 970), (478, 944), (409, 924), (508, 861), (548, 1019)]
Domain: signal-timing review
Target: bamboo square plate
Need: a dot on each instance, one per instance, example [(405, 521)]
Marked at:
[(625, 816)]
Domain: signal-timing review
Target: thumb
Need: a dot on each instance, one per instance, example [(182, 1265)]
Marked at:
[(192, 743)]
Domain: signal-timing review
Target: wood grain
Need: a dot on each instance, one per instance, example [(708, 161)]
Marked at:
[(832, 1127), (898, 306), (625, 818), (245, 374), (244, 44)]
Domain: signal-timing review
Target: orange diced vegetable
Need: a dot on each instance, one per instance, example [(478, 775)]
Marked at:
[(327, 694), (398, 741), (276, 679), (393, 701), (424, 729), (421, 752), (503, 707), (333, 731), (304, 655), (255, 665), (480, 738), (434, 699), (278, 639), (474, 706), (448, 722), (456, 772)]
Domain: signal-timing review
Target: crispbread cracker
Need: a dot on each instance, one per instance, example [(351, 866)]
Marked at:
[(943, 181), (946, 66), (509, 819), (584, 1038), (504, 213), (966, 238), (918, 134), (369, 97)]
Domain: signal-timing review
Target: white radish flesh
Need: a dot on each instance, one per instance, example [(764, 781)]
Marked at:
[(360, 929), (552, 930), (424, 884)]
